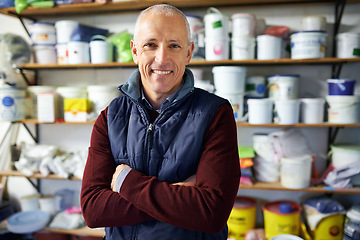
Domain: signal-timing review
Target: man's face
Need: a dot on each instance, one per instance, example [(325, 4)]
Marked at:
[(161, 52)]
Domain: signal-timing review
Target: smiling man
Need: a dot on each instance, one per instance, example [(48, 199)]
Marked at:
[(163, 160)]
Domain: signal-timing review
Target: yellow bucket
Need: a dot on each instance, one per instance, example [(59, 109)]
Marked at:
[(281, 217), (242, 217), (329, 228)]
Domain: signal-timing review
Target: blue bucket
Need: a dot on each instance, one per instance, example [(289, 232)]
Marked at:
[(341, 86)]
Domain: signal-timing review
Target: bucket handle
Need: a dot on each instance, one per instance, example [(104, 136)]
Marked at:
[(214, 10), (98, 37)]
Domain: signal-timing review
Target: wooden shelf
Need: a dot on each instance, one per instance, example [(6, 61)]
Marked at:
[(136, 5), (14, 173), (252, 62), (277, 186), (325, 124), (84, 231), (35, 121)]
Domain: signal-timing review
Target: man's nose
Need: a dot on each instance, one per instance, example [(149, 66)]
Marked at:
[(162, 55)]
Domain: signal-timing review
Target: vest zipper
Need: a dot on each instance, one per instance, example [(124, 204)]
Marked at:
[(150, 136)]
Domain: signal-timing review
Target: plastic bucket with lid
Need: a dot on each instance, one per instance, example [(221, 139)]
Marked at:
[(243, 24), (242, 217), (45, 54), (296, 172), (287, 111), (101, 51), (308, 44), (283, 86), (281, 217), (329, 228), (255, 86), (217, 48), (12, 103), (268, 47), (216, 23), (64, 30), (34, 91), (313, 23), (237, 104), (341, 86), (62, 53), (260, 111), (348, 45), (78, 52), (352, 223), (312, 110), (229, 79), (42, 33), (242, 48), (196, 24), (286, 237), (100, 96), (343, 109), (344, 154)]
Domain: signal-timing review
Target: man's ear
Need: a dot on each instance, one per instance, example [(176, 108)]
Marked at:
[(134, 51), (189, 52)]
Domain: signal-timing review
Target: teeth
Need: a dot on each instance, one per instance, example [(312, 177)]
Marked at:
[(161, 72)]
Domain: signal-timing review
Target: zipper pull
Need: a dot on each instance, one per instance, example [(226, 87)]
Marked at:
[(150, 135)]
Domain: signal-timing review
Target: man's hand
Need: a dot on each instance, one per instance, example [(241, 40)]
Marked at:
[(115, 175), (191, 181)]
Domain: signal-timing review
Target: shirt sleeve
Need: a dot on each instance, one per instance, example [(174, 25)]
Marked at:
[(101, 206), (206, 206)]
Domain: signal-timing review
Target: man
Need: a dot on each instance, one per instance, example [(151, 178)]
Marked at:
[(163, 160)]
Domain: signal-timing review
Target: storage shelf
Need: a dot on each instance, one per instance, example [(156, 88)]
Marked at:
[(325, 124), (35, 121), (15, 173), (136, 5), (277, 186), (281, 61), (84, 231)]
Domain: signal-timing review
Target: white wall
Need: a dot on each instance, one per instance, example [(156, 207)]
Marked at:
[(313, 83)]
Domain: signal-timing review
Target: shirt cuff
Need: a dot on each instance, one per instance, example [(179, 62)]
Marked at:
[(120, 178)]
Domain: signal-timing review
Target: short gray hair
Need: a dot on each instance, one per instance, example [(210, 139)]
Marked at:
[(166, 10)]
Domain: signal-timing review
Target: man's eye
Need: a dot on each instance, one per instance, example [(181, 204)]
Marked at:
[(175, 46), (149, 45)]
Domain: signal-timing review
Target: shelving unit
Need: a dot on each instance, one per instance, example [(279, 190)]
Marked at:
[(132, 6)]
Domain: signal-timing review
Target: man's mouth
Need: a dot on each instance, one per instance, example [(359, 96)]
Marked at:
[(160, 72)]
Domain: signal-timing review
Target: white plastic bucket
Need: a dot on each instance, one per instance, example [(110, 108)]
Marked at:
[(78, 52), (196, 24), (72, 92), (286, 237), (260, 110), (344, 154), (283, 86), (216, 23), (62, 53), (45, 54), (343, 109), (216, 48), (33, 92), (242, 48), (255, 86), (243, 24), (237, 104), (42, 33), (12, 104), (295, 172), (312, 110), (101, 51), (348, 45), (64, 30), (100, 96), (313, 23), (287, 111), (268, 47), (47, 204), (229, 79), (308, 44), (30, 202)]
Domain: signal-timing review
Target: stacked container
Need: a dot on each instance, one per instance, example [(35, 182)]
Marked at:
[(216, 35), (64, 30), (229, 83), (44, 39), (197, 35), (243, 32)]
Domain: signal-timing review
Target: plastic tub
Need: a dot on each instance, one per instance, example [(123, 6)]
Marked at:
[(308, 44), (243, 24), (296, 172), (260, 110), (45, 54), (242, 48), (100, 96), (312, 110), (62, 53), (343, 109), (42, 33), (313, 23), (12, 103), (348, 45), (101, 51), (64, 30), (216, 23), (287, 111), (217, 48), (283, 86), (196, 24), (237, 104), (28, 222), (341, 86), (268, 47), (229, 79), (78, 52), (344, 154), (286, 237)]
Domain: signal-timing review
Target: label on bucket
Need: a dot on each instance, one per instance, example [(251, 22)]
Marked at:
[(217, 24), (12, 108)]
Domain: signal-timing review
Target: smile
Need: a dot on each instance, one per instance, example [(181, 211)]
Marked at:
[(161, 72)]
